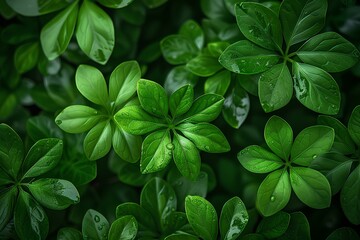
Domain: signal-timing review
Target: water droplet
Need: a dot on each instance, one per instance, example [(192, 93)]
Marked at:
[(170, 146), (96, 218), (171, 198), (314, 156), (207, 148), (58, 122), (272, 198), (100, 227), (154, 110)]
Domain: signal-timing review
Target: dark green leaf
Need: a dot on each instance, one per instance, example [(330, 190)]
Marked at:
[(350, 197), (156, 152), (178, 77), (253, 236), (26, 56), (43, 156), (11, 150), (91, 84), (181, 236), (115, 3), (215, 10), (95, 32), (273, 193), (259, 160), (194, 32), (30, 219), (218, 83), (274, 226), (186, 157), (56, 34), (311, 187), (178, 49), (68, 233), (36, 7), (354, 125), (202, 217), (311, 142), (95, 225), (279, 136), (205, 136), (153, 98), (259, 24), (302, 19), (97, 142), (204, 65), (41, 126), (127, 146), (245, 57), (275, 87), (143, 217), (217, 48), (233, 219), (343, 233), (123, 228), (298, 229), (181, 100), (7, 203), (154, 3)]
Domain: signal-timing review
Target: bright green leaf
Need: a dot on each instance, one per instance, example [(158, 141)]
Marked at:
[(204, 65), (181, 100), (126, 145), (153, 98), (97, 142), (218, 83), (26, 56), (143, 217), (124, 228)]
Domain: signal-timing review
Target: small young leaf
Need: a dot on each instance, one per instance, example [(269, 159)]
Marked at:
[(26, 56), (275, 87), (156, 152), (53, 193), (178, 49), (97, 142), (329, 51), (124, 228), (245, 57), (77, 119), (95, 32), (279, 136), (204, 65), (153, 98), (68, 233), (127, 146), (311, 187), (258, 160), (218, 83), (274, 192), (194, 32), (202, 217), (181, 100), (274, 226), (186, 157), (205, 136), (298, 229), (233, 219), (343, 234), (94, 225), (56, 34), (311, 142), (354, 125)]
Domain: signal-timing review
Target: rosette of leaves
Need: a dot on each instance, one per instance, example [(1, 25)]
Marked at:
[(94, 29), (272, 45), (287, 165), (23, 192), (187, 50), (164, 141), (341, 166), (98, 120)]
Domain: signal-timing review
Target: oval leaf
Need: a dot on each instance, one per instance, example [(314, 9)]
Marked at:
[(97, 142), (124, 228), (95, 225)]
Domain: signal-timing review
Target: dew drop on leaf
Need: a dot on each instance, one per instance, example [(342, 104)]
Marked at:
[(207, 148), (96, 218), (272, 198), (314, 156), (58, 122), (170, 146)]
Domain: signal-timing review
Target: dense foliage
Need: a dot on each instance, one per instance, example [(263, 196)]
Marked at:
[(179, 120)]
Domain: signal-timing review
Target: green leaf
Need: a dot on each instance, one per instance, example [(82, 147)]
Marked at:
[(204, 65), (135, 120), (95, 32), (123, 82), (124, 228), (316, 89), (159, 199), (181, 100), (245, 57), (43, 156), (127, 146), (311, 187), (77, 169), (154, 3), (77, 118), (253, 236), (273, 193), (275, 87), (217, 48), (298, 229), (205, 136), (115, 3), (259, 160), (342, 142), (233, 219), (343, 234), (56, 34), (11, 150), (350, 197), (53, 193), (143, 217), (279, 136), (7, 203), (28, 211), (41, 126), (218, 83), (95, 225), (354, 125), (274, 226), (153, 98), (178, 49), (68, 233), (259, 24), (156, 152), (35, 7), (202, 217), (236, 106), (193, 31), (178, 77), (329, 51), (311, 142), (302, 19), (186, 157), (97, 142), (205, 108), (181, 236), (215, 10), (91, 84), (26, 56)]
